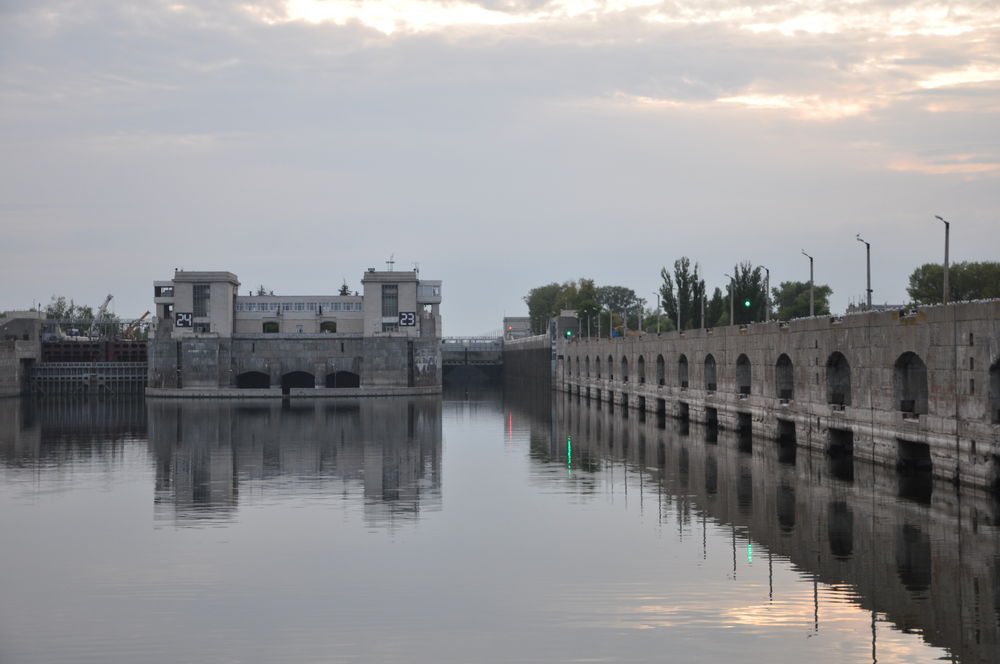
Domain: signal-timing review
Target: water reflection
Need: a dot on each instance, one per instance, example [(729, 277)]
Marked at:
[(917, 554)]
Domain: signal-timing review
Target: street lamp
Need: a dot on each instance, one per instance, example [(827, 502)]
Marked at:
[(732, 297), (767, 294), (947, 228), (812, 301), (868, 261)]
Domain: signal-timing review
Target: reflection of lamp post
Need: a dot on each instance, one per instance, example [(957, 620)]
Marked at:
[(868, 263), (812, 302), (732, 296), (947, 228)]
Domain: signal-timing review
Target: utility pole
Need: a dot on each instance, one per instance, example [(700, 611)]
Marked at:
[(947, 229), (732, 298), (812, 301), (868, 263)]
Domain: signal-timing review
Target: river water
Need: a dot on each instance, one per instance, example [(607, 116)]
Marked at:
[(484, 526)]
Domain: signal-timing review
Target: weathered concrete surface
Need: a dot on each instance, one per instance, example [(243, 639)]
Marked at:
[(528, 360), (952, 414), (16, 359), (210, 365)]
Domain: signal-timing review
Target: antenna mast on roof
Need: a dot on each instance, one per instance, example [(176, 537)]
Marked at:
[(391, 262)]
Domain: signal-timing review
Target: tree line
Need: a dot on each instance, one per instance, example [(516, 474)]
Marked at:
[(684, 300)]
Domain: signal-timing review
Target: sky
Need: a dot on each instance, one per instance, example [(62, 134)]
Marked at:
[(497, 144)]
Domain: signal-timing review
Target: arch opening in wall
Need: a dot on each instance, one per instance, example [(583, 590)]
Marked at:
[(624, 369), (296, 379), (343, 379), (711, 379), (838, 380), (328, 327), (995, 393), (611, 368), (641, 370), (910, 382), (743, 375), (269, 327), (682, 371), (586, 366), (784, 378), (597, 366), (660, 370), (253, 380)]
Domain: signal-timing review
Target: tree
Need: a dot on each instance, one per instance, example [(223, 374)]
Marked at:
[(716, 313), (686, 290), (751, 300), (791, 298), (66, 311), (966, 281), (541, 302)]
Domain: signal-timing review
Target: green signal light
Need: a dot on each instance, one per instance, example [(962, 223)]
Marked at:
[(746, 303), (569, 333)]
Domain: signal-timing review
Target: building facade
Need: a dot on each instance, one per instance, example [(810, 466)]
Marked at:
[(208, 339)]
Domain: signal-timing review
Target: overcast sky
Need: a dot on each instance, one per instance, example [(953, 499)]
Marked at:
[(499, 144)]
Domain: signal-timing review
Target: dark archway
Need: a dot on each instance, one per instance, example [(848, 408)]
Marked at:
[(910, 381), (838, 380), (270, 327), (711, 380), (661, 370), (341, 379), (784, 378), (586, 365), (576, 369), (597, 365), (624, 369), (611, 368), (682, 370), (328, 326), (995, 392), (297, 379), (743, 374), (253, 380), (641, 370)]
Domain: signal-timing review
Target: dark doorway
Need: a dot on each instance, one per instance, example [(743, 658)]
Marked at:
[(743, 375), (682, 371), (915, 470), (838, 380), (343, 379), (786, 441), (659, 370), (661, 413), (253, 380), (711, 382), (995, 392), (840, 448), (784, 378), (744, 431), (297, 379), (711, 425), (910, 382)]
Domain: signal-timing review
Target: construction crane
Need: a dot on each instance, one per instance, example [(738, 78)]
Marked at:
[(102, 313), (131, 329)]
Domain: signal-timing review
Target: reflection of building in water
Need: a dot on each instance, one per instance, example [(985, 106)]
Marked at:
[(925, 560), (63, 430), (387, 451)]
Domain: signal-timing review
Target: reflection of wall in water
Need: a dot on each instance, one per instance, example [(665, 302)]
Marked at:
[(934, 568), (386, 450), (58, 430)]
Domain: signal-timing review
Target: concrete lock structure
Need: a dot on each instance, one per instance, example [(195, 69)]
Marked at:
[(208, 340), (917, 388)]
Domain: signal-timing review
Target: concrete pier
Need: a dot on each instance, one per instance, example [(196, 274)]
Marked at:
[(917, 388)]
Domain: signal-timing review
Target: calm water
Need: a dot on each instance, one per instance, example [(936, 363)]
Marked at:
[(483, 527)]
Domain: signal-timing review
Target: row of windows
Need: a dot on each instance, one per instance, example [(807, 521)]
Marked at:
[(298, 306)]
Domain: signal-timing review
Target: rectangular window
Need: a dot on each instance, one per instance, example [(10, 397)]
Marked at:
[(390, 300), (200, 292), (300, 306), (390, 327), (286, 306), (312, 306), (357, 306)]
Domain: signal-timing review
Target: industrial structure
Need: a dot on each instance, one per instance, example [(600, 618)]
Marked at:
[(210, 341)]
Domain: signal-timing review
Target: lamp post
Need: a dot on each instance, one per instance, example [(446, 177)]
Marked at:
[(812, 301), (657, 294), (732, 297), (767, 294), (947, 229), (868, 264)]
